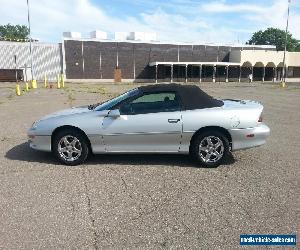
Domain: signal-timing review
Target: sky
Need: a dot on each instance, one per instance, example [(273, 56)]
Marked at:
[(208, 21)]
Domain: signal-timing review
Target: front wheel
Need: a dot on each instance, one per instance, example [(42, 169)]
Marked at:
[(210, 148), (70, 147)]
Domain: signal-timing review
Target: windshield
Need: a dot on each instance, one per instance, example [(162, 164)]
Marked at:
[(109, 104)]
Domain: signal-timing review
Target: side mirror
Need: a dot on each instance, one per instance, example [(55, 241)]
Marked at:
[(114, 113)]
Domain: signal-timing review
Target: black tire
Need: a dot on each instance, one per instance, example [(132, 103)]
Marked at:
[(81, 145), (198, 156)]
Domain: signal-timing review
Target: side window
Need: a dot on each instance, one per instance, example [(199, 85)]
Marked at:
[(152, 103)]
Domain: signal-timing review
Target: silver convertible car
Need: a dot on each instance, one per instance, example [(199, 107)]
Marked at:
[(161, 118)]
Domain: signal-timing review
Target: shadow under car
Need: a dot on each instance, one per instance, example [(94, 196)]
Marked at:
[(23, 152)]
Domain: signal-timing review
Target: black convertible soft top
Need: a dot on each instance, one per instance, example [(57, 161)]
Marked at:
[(192, 97)]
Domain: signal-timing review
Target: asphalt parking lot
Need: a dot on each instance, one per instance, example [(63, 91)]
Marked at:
[(145, 201)]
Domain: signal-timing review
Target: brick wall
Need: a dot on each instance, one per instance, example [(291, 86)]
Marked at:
[(98, 60), (73, 59), (126, 59)]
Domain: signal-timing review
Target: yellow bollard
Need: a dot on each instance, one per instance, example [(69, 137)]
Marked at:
[(45, 81), (34, 84), (62, 80), (18, 90), (58, 81), (26, 86), (282, 84)]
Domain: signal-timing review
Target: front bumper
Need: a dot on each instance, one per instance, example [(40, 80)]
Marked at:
[(39, 142), (249, 137)]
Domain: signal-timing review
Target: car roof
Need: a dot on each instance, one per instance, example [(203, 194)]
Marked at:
[(164, 87), (192, 97)]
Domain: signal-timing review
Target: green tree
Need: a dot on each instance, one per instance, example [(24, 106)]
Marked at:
[(273, 36), (14, 32)]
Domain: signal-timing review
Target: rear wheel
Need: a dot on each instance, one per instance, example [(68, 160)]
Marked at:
[(70, 147), (210, 148)]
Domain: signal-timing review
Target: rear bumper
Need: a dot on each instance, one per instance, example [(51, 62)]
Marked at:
[(39, 142), (249, 137)]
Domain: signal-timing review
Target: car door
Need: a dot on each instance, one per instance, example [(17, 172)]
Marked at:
[(149, 123)]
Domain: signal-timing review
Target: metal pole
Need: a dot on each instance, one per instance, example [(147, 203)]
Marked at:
[(227, 68), (26, 73), (186, 73), (16, 67), (171, 72), (30, 45), (285, 43), (156, 73), (200, 73), (214, 73)]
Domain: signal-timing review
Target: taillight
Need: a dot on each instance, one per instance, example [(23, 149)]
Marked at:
[(260, 119)]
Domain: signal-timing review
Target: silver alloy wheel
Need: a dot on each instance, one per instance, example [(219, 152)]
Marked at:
[(211, 149), (69, 148)]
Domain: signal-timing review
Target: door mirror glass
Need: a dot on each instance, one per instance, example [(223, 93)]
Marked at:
[(114, 113)]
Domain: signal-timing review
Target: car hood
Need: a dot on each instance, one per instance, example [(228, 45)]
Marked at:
[(67, 112)]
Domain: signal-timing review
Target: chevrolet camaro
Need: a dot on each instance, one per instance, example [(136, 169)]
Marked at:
[(161, 118)]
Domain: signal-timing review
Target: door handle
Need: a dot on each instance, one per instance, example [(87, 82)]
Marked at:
[(173, 120)]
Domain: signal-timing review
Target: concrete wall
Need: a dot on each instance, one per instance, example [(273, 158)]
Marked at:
[(47, 58), (294, 59), (266, 57)]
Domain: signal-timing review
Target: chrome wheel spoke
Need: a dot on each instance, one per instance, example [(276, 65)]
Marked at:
[(73, 143), (203, 149), (207, 157), (216, 153), (77, 151), (70, 154), (66, 142), (209, 142), (218, 144), (64, 150)]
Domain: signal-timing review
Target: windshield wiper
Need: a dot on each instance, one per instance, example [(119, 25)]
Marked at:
[(93, 106)]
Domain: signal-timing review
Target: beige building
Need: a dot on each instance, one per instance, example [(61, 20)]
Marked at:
[(267, 64)]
